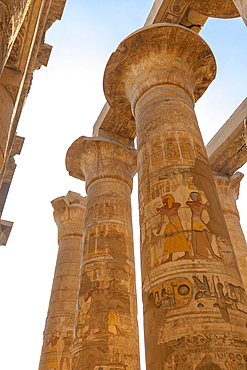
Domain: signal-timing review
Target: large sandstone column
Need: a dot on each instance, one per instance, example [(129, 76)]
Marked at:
[(69, 214), (106, 330), (194, 302), (228, 190)]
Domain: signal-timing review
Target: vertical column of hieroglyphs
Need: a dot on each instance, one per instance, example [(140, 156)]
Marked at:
[(194, 302), (106, 330), (228, 190), (69, 214)]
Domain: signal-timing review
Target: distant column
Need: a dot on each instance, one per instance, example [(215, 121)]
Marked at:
[(106, 330), (69, 214), (195, 307), (228, 190)]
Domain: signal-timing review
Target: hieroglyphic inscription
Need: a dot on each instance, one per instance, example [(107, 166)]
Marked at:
[(173, 293), (226, 296)]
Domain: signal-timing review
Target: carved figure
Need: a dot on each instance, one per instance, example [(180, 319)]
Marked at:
[(66, 354), (175, 240), (52, 356), (201, 237), (223, 300)]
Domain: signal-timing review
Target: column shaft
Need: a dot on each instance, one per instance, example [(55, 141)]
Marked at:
[(58, 334), (228, 190), (106, 330), (195, 307)]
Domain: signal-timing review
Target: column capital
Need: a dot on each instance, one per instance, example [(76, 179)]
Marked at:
[(212, 8), (157, 55), (90, 159), (228, 190), (232, 182), (69, 212)]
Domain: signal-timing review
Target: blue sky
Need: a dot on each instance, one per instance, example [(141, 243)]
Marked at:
[(64, 103)]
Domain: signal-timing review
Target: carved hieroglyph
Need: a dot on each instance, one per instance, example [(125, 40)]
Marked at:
[(195, 307), (214, 8), (69, 212), (228, 190), (106, 330), (12, 13)]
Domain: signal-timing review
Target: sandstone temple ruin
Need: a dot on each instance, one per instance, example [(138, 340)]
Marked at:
[(193, 250)]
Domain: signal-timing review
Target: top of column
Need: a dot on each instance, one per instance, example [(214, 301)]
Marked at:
[(214, 8), (154, 55), (69, 213), (91, 159)]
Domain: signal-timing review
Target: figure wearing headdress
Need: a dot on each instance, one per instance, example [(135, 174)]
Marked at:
[(201, 237), (175, 240)]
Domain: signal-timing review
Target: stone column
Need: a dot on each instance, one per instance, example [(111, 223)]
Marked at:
[(228, 190), (69, 214), (194, 302), (106, 330)]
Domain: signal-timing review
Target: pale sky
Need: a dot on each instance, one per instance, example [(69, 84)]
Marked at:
[(64, 103)]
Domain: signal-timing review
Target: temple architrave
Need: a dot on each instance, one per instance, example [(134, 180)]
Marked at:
[(69, 212), (22, 51)]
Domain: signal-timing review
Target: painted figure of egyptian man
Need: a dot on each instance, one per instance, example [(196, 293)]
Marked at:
[(201, 237), (175, 240)]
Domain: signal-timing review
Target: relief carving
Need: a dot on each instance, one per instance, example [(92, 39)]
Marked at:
[(226, 296)]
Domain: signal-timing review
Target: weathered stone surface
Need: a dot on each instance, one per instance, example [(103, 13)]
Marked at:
[(227, 149), (175, 11), (195, 306), (228, 190), (183, 60), (12, 13), (106, 330), (127, 121), (111, 122), (69, 212), (215, 8)]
